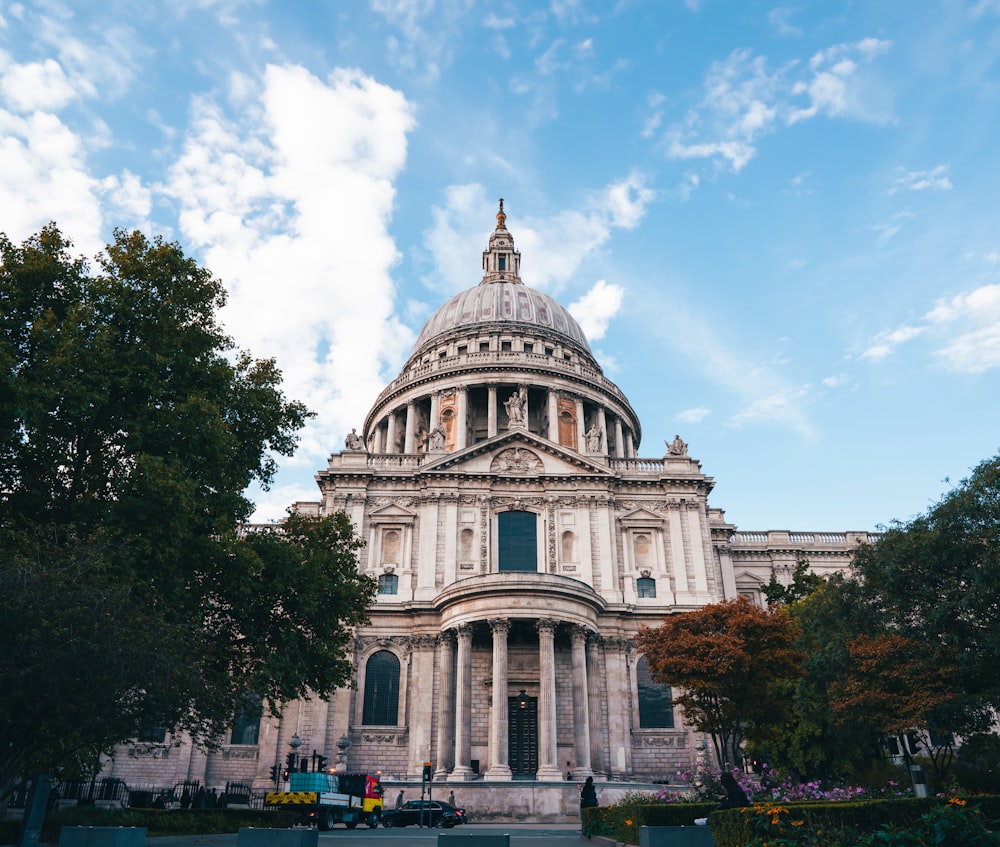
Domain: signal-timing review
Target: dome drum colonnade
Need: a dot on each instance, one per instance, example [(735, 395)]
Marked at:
[(491, 345)]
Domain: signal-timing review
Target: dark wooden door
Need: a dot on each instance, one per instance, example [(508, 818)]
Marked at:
[(522, 730)]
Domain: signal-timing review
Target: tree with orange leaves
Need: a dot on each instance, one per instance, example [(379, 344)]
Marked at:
[(730, 661)]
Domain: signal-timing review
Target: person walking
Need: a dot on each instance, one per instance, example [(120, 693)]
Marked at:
[(588, 798), (399, 799)]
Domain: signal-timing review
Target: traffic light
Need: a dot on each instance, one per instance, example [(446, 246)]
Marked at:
[(320, 763), (427, 775), (284, 774), (290, 760), (274, 774)]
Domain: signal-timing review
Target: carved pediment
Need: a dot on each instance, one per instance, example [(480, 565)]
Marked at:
[(517, 461), (392, 513), (641, 518), (516, 452)]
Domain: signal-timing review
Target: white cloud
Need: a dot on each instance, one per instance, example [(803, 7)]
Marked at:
[(556, 247), (779, 19), (36, 86), (695, 415), (974, 320), (596, 308), (744, 100), (289, 195), (44, 177), (936, 178), (886, 342)]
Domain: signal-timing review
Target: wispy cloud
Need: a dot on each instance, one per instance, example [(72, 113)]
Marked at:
[(744, 100), (935, 178), (963, 332), (698, 413)]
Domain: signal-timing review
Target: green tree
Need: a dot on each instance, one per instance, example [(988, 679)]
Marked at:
[(935, 580), (730, 662), (130, 597)]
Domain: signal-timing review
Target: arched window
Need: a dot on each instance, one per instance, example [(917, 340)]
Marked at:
[(381, 690), (388, 583), (645, 586), (246, 723), (655, 706), (517, 543)]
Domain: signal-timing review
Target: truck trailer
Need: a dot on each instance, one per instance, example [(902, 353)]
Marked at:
[(327, 799)]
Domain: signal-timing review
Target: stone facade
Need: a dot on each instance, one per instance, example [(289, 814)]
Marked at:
[(520, 542)]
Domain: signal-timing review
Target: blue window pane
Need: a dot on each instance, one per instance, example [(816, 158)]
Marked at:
[(654, 700), (517, 545), (381, 690), (388, 583), (645, 587)]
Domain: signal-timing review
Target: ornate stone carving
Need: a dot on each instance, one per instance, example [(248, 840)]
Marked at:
[(423, 642), (516, 460), (659, 741), (379, 739)]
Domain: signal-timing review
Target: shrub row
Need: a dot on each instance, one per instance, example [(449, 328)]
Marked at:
[(841, 821)]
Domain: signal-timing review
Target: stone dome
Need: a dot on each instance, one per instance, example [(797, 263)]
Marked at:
[(502, 302), (501, 298)]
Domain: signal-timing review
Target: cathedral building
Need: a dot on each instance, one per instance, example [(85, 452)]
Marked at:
[(520, 537)]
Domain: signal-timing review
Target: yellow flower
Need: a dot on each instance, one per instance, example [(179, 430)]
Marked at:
[(956, 801), (797, 823)]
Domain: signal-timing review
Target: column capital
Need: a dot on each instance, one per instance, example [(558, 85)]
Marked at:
[(500, 625), (546, 626), (577, 631), (462, 630)]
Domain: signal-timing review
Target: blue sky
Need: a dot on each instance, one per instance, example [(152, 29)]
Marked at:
[(779, 223)]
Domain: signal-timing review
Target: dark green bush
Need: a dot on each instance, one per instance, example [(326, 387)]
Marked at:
[(622, 821), (165, 822)]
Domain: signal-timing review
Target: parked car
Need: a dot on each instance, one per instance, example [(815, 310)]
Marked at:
[(440, 815)]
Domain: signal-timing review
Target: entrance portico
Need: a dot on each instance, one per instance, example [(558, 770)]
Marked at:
[(523, 729)]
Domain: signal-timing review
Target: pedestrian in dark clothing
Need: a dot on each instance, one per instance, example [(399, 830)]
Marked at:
[(199, 798), (735, 797), (588, 794), (185, 798)]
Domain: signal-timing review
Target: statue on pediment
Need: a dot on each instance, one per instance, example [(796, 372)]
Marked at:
[(352, 441)]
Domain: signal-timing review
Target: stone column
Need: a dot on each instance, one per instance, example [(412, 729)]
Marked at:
[(499, 767), (410, 443), (463, 706), (619, 439), (446, 706), (491, 411), (595, 693), (435, 410), (581, 709), (390, 434), (602, 424), (379, 446), (581, 427), (629, 445), (553, 416), (462, 436), (548, 764)]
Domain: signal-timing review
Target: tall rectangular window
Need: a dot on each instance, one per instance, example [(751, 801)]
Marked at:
[(517, 542)]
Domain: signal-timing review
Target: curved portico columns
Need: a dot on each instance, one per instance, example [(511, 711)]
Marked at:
[(463, 706), (499, 768), (581, 709), (548, 764), (410, 438), (446, 706), (390, 433)]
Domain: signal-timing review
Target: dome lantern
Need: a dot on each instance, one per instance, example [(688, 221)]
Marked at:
[(501, 262)]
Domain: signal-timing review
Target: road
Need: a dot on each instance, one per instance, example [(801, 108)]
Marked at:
[(521, 835)]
